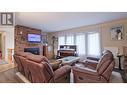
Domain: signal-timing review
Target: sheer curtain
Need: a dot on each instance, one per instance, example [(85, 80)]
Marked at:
[(88, 43), (80, 42), (93, 44), (61, 41), (70, 40)]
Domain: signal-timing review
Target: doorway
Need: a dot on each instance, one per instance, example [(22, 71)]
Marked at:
[(2, 48)]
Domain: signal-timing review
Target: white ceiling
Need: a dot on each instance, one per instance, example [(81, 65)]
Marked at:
[(56, 21)]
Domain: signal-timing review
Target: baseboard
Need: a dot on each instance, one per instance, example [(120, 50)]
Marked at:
[(22, 78)]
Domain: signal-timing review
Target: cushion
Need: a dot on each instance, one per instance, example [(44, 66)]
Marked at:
[(23, 54), (37, 58)]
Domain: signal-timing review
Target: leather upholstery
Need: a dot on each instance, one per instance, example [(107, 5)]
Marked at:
[(97, 59), (19, 65), (18, 61), (39, 72), (92, 62), (37, 58), (55, 65), (101, 74), (61, 75), (104, 62), (25, 67), (22, 57), (37, 69), (24, 54)]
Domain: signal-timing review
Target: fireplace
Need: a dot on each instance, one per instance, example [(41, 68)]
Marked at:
[(32, 50)]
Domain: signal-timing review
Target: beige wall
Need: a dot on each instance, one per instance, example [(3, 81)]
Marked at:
[(103, 28), (106, 40)]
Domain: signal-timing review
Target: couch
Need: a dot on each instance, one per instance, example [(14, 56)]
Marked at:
[(37, 69)]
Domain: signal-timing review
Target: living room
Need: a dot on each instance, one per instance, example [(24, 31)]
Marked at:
[(79, 42), (63, 47)]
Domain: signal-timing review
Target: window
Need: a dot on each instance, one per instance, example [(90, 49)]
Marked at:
[(80, 42), (70, 40), (61, 41), (88, 44), (93, 43)]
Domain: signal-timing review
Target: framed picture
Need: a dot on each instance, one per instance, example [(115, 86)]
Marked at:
[(117, 33), (6, 18)]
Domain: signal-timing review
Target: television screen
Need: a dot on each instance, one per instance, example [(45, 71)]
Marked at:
[(34, 38)]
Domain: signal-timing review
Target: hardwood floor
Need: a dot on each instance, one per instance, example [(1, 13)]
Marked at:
[(5, 67), (7, 74)]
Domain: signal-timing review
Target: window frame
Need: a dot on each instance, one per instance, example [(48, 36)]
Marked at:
[(86, 41)]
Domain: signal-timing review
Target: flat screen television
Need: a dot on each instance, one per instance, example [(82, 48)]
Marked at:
[(35, 38)]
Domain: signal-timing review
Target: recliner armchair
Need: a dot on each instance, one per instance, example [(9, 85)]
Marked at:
[(97, 58), (42, 72), (18, 61), (19, 58), (91, 62), (100, 72), (36, 68)]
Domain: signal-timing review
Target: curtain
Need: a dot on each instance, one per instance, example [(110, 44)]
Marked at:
[(80, 42), (70, 40), (93, 43), (61, 41), (88, 44)]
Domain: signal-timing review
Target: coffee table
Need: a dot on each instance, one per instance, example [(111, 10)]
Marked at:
[(70, 60)]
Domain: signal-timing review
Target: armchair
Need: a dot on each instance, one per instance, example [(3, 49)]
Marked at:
[(97, 58), (101, 72), (42, 71), (92, 62)]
